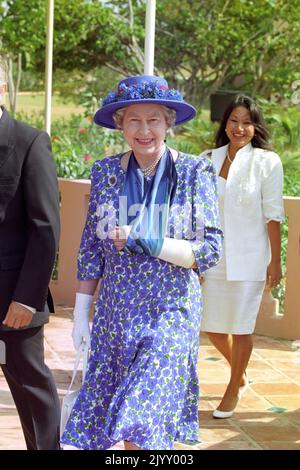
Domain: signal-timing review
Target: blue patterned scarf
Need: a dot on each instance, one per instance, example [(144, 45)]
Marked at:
[(154, 197)]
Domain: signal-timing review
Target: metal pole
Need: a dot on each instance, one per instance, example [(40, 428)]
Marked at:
[(49, 61), (150, 37)]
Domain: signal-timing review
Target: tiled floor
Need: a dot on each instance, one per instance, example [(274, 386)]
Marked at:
[(267, 417)]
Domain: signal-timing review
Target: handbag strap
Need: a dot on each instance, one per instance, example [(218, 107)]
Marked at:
[(83, 352)]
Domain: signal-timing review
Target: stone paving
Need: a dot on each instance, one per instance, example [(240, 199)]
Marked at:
[(267, 416)]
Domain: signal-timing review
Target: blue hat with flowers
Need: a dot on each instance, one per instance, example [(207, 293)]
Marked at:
[(143, 89)]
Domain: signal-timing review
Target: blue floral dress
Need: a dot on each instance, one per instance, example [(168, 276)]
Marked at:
[(141, 384)]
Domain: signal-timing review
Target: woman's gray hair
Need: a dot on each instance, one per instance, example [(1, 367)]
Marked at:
[(170, 116)]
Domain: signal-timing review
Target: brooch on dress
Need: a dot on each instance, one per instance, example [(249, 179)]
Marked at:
[(112, 180)]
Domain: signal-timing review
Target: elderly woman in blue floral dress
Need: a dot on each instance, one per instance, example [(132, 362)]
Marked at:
[(152, 227)]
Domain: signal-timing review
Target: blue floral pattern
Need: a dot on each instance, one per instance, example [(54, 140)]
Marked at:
[(141, 383), (142, 90)]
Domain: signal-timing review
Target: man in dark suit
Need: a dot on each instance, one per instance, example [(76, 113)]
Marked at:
[(29, 231)]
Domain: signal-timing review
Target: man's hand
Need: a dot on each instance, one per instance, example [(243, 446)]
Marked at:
[(17, 316)]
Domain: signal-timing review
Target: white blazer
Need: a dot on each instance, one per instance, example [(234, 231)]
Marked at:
[(253, 197)]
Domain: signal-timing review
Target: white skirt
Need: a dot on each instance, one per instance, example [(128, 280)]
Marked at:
[(231, 306)]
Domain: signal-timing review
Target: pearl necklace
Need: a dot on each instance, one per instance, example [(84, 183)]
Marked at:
[(228, 157), (149, 169)]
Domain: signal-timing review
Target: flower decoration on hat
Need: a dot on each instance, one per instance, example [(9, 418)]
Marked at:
[(142, 90)]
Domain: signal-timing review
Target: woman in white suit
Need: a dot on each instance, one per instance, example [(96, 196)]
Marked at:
[(251, 209)]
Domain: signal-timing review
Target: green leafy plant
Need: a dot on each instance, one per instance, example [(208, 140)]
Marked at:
[(195, 136), (77, 143)]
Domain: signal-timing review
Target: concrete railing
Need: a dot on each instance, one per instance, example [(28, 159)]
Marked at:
[(285, 324), (74, 198), (74, 203)]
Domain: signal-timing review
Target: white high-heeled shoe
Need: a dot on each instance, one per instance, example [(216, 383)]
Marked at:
[(225, 414), (244, 387), (222, 414)]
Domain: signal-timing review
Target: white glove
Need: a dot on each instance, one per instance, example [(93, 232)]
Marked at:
[(177, 252), (81, 328)]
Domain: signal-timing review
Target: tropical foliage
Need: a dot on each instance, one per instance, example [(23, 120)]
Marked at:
[(201, 47)]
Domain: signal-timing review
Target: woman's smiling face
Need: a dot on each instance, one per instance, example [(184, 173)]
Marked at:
[(240, 128), (144, 127)]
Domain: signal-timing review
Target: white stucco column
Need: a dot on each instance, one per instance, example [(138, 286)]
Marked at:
[(150, 37), (49, 62)]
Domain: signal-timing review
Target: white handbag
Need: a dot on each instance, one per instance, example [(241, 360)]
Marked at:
[(70, 397)]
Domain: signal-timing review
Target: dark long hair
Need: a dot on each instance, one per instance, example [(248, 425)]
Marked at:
[(261, 135)]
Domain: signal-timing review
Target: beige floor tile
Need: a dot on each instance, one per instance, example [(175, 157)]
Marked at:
[(275, 445), (267, 375), (9, 421), (285, 363), (290, 374), (221, 432), (294, 416), (219, 366), (230, 445), (206, 418), (213, 389), (291, 402), (274, 353), (6, 400), (268, 342), (209, 375), (204, 340), (250, 401), (205, 404), (273, 432), (182, 446), (258, 364), (3, 384), (248, 418), (118, 446), (210, 351), (12, 439), (276, 388)]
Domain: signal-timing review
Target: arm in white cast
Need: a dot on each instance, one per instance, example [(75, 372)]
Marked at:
[(177, 252), (81, 327)]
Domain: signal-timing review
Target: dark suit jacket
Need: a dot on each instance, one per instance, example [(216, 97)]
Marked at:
[(29, 217)]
